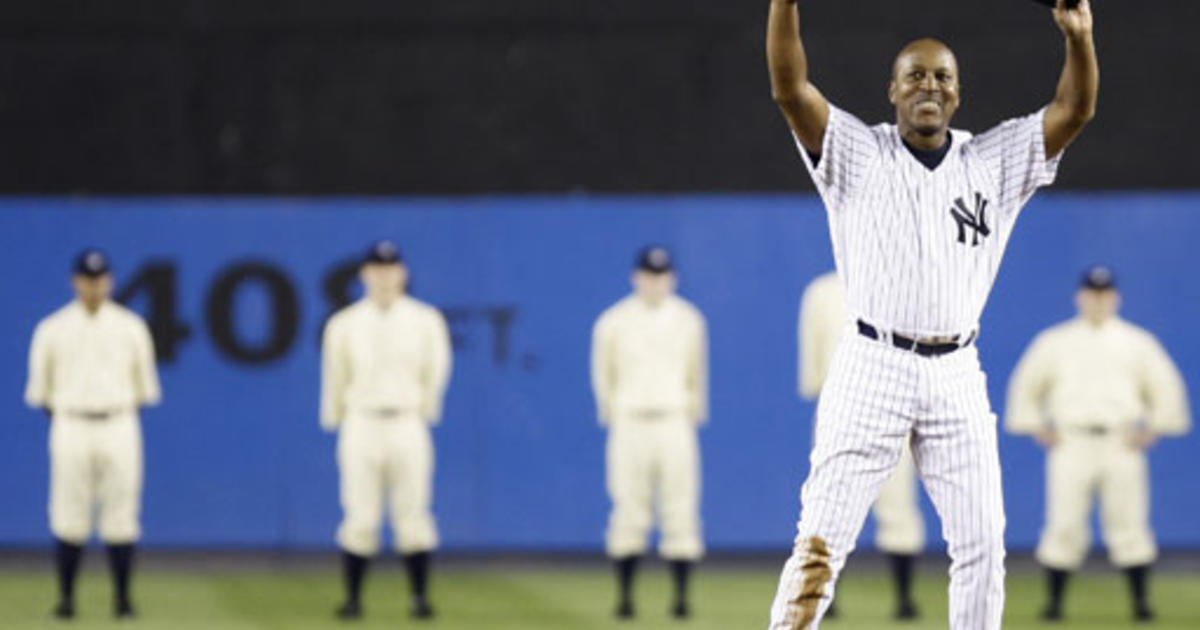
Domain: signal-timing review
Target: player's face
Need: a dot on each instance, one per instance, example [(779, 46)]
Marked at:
[(384, 282), (924, 87), (653, 287), (1098, 307), (92, 291)]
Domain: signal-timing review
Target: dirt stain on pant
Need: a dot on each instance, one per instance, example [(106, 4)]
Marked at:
[(816, 573)]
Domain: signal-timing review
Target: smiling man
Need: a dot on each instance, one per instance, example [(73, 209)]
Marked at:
[(919, 215)]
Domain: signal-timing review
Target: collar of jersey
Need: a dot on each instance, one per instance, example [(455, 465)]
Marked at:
[(950, 146)]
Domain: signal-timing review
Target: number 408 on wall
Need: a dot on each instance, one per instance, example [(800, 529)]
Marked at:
[(157, 282)]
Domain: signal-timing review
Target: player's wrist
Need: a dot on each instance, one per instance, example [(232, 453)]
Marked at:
[(1081, 37)]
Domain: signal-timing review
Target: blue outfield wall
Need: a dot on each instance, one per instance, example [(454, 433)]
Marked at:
[(235, 457)]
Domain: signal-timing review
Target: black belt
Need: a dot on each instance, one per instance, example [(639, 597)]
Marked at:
[(912, 345)]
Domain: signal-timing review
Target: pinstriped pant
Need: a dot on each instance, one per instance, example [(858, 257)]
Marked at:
[(875, 398)]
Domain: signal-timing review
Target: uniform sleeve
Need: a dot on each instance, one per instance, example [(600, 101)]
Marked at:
[(1015, 152), (809, 339), (603, 370), (437, 375), (847, 153), (146, 367), (1164, 392), (39, 387), (335, 373), (698, 373), (1027, 389)]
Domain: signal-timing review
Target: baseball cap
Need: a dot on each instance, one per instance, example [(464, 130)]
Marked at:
[(654, 259), (90, 262), (1098, 278), (383, 253)]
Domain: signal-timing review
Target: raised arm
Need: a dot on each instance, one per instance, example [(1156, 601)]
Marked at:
[(804, 106), (1074, 103)]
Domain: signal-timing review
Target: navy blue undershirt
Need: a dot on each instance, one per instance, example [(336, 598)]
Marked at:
[(933, 157)]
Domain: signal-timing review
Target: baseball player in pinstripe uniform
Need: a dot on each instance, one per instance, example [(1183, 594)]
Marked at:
[(1096, 392), (900, 529), (91, 366), (385, 364), (919, 215)]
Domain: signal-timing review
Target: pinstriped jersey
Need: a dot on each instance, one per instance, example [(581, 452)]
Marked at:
[(918, 249)]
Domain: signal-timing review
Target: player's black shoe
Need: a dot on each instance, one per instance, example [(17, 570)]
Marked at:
[(1143, 614), (907, 611), (421, 609), (681, 610), (124, 610), (349, 611), (64, 610), (1052, 614), (625, 610)]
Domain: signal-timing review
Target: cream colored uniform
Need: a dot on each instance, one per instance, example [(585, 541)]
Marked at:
[(650, 379), (900, 529), (93, 372), (384, 374), (1094, 386)]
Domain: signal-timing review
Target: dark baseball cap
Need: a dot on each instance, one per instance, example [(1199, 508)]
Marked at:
[(383, 253), (654, 259), (1098, 278), (92, 263)]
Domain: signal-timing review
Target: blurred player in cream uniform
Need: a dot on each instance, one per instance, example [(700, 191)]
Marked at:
[(385, 366), (900, 530), (91, 366), (1096, 392), (650, 379)]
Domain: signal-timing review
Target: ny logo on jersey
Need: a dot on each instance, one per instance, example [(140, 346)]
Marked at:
[(976, 220)]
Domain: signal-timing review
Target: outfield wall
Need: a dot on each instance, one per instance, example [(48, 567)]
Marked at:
[(239, 288)]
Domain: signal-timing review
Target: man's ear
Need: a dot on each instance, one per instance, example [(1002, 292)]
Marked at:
[(891, 90)]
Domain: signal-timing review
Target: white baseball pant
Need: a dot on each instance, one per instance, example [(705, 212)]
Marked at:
[(1078, 467), (876, 398), (899, 526), (388, 457), (654, 460), (96, 468)]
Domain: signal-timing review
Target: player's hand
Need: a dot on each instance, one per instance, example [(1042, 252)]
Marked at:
[(1047, 438), (1140, 439), (1075, 23)]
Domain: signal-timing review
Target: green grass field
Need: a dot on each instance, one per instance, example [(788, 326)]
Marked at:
[(545, 599)]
